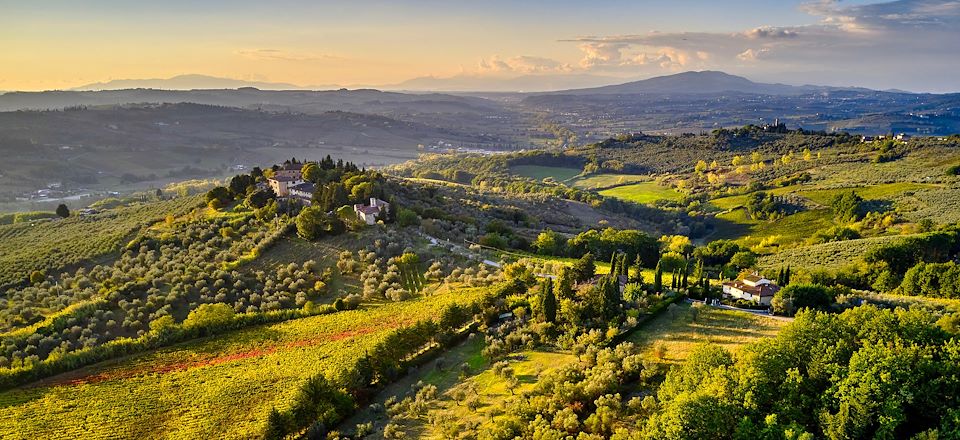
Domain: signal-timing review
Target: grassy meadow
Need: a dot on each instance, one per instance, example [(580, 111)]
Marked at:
[(644, 192), (681, 329)]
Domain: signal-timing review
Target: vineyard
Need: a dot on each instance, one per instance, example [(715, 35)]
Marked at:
[(214, 388), (52, 245)]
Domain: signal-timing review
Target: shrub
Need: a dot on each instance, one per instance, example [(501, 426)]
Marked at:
[(209, 315)]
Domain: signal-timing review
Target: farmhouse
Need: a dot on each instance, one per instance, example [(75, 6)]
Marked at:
[(289, 169), (281, 184), (370, 213), (753, 287), (302, 192)]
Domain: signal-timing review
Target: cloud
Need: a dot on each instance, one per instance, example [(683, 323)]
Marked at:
[(770, 32), (892, 39), (753, 54), (523, 64), (282, 55), (878, 17)]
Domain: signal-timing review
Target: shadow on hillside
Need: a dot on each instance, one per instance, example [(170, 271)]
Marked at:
[(722, 228)]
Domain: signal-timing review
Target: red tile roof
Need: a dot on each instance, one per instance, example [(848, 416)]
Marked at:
[(761, 290)]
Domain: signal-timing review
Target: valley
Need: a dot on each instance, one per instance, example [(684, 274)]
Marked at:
[(328, 274)]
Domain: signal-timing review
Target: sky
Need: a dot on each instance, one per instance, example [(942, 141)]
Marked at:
[(905, 44)]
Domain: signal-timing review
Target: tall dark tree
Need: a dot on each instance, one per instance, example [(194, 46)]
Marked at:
[(564, 284), (658, 278), (683, 279), (239, 184), (548, 301), (63, 211), (584, 268)]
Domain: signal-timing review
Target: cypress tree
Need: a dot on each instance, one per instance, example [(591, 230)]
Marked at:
[(548, 301), (637, 262), (658, 278), (786, 277)]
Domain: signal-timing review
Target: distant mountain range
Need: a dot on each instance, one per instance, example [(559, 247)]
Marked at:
[(192, 82), (520, 84), (689, 101), (457, 83), (706, 82)]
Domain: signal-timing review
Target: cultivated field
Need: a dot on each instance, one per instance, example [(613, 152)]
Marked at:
[(221, 387)]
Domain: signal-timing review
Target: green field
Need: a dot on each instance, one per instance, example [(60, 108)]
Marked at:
[(644, 192), (680, 332), (737, 225), (221, 387), (538, 172), (601, 181), (825, 196)]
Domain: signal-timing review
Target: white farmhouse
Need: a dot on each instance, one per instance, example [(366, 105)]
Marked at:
[(753, 287), (372, 212)]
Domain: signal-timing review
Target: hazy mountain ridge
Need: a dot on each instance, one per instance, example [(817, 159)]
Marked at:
[(705, 82), (191, 82)]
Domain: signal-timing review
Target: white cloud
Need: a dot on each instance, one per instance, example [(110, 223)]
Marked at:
[(753, 54), (523, 64)]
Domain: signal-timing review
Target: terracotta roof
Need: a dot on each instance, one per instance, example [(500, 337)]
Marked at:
[(753, 278), (761, 290)]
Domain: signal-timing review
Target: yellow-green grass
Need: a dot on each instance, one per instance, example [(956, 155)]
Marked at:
[(731, 202), (221, 387), (825, 196), (738, 225), (443, 372), (492, 391), (542, 172), (598, 181), (644, 192), (907, 301), (680, 333), (871, 192)]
